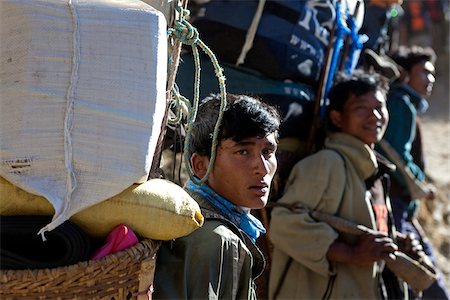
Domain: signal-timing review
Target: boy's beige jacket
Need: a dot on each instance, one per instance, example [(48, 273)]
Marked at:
[(334, 183)]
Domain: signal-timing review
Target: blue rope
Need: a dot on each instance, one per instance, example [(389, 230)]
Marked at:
[(178, 102), (357, 43), (341, 31)]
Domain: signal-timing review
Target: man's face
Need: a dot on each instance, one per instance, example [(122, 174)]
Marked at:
[(364, 117), (243, 171), (421, 77)]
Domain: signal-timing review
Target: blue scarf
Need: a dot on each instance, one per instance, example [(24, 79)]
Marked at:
[(245, 221)]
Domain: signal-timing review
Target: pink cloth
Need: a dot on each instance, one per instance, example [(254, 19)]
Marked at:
[(119, 239)]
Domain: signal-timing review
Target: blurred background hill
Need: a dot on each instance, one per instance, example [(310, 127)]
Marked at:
[(435, 215)]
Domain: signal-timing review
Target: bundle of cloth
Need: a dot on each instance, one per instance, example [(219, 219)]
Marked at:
[(21, 248)]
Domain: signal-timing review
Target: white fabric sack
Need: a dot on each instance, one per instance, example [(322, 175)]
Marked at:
[(167, 7), (82, 97)]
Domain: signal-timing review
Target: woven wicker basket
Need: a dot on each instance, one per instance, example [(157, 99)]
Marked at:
[(124, 275)]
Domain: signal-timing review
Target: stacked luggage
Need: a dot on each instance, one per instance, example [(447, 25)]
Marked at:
[(83, 98)]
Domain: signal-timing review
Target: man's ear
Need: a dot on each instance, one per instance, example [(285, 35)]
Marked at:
[(404, 76), (199, 164), (336, 118)]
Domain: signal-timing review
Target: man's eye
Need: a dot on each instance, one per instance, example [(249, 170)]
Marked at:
[(268, 151), (242, 151)]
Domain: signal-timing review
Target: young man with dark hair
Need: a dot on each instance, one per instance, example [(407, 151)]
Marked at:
[(405, 99), (220, 260), (311, 260), (402, 145)]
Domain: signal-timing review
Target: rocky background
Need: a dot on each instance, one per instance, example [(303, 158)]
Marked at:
[(435, 215)]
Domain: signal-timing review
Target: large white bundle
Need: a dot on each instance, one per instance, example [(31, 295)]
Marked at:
[(167, 7), (82, 97)]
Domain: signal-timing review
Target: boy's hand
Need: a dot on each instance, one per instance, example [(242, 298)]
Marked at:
[(372, 247), (409, 244)]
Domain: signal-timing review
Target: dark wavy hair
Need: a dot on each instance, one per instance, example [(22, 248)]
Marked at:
[(358, 83), (407, 57), (244, 117)]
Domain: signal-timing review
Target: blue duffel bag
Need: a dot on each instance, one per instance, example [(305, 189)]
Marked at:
[(290, 40)]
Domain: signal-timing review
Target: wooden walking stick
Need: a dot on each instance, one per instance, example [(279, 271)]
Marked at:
[(419, 274), (317, 123)]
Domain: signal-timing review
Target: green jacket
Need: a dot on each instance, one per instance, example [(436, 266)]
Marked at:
[(324, 182), (402, 103), (216, 261)]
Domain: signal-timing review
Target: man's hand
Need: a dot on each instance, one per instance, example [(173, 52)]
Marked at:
[(409, 244), (372, 247)]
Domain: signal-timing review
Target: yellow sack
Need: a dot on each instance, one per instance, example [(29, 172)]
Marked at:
[(157, 209)]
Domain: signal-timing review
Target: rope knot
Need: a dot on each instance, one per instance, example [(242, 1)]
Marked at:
[(183, 30), (185, 33)]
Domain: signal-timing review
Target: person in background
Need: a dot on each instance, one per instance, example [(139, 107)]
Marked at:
[(402, 145), (311, 260), (220, 260)]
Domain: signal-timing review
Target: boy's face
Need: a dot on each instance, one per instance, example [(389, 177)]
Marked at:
[(421, 77), (364, 117), (243, 171)]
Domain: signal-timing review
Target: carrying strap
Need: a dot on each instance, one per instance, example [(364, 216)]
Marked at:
[(283, 12), (330, 286), (417, 189), (343, 161), (283, 275), (328, 291), (340, 155), (251, 33)]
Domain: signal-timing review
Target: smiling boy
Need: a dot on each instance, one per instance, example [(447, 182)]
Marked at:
[(311, 260), (220, 260)]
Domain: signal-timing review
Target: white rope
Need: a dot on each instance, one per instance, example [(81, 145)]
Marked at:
[(251, 32), (71, 182)]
